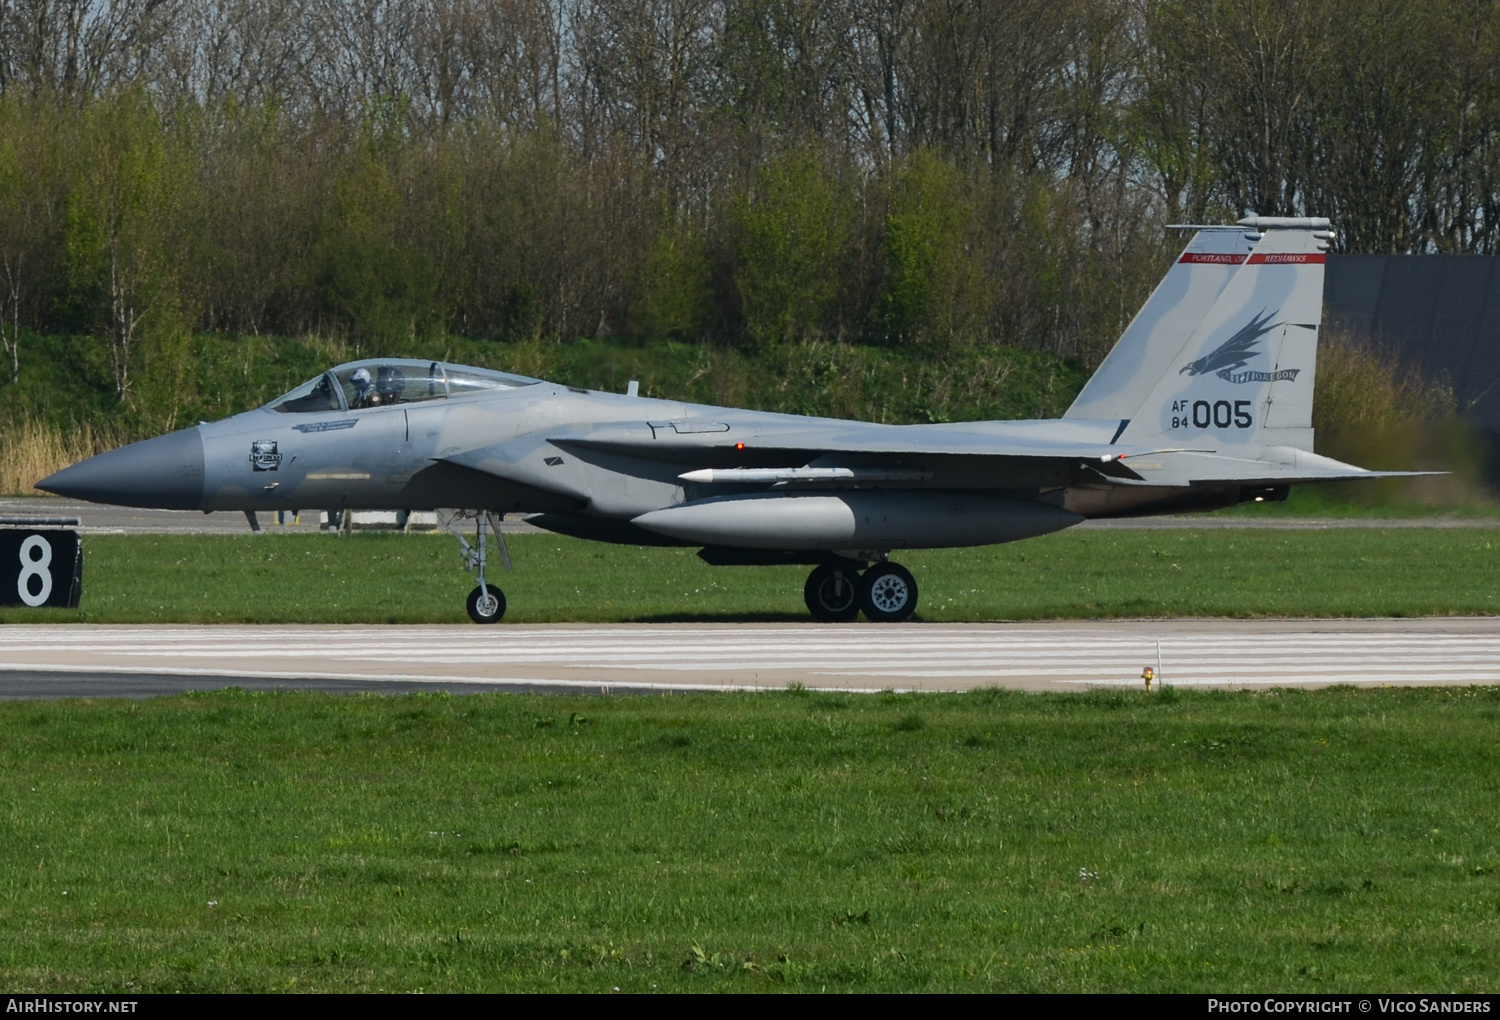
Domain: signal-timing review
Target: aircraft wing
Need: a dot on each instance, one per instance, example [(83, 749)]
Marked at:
[(993, 455), (718, 452), (716, 441)]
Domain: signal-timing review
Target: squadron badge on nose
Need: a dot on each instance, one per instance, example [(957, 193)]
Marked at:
[(263, 455)]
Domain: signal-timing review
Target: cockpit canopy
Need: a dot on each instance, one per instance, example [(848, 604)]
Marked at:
[(384, 382)]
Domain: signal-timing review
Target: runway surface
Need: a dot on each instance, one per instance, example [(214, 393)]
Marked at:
[(136, 661)]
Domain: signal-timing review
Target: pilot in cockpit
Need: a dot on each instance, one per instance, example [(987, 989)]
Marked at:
[(383, 391), (364, 393)]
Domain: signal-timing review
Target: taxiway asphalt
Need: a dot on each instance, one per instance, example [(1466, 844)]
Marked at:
[(138, 661)]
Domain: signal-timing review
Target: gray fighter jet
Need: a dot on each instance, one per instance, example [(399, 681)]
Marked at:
[(1205, 401)]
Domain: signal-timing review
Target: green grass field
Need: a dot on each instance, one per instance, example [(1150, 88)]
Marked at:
[(1185, 841), (1285, 840), (395, 578)]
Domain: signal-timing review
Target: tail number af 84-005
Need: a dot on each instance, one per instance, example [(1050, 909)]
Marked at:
[(1220, 414), (40, 568)]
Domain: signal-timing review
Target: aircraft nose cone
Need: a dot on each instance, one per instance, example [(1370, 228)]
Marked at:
[(164, 473)]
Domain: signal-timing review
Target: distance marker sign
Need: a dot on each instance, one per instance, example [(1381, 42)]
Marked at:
[(40, 568)]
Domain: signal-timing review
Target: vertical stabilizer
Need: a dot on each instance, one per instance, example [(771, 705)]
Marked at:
[(1245, 375), (1164, 323)]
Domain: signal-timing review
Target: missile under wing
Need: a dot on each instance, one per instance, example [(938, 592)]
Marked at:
[(1205, 401)]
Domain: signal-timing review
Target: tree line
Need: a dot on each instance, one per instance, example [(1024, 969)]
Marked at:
[(746, 172)]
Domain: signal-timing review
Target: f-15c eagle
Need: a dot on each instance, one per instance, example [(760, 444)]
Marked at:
[(1205, 401)]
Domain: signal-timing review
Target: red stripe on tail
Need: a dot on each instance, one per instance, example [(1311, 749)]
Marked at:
[(1287, 259), (1219, 259)]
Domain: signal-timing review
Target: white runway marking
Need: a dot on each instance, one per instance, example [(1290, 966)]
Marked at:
[(1058, 656)]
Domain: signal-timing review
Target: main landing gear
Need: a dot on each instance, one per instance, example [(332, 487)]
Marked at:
[(836, 593), (486, 603)]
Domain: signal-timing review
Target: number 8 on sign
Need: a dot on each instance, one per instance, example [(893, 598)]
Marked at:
[(36, 557)]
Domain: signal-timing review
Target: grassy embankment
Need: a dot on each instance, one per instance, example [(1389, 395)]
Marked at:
[(1277, 841), (63, 406), (372, 578)]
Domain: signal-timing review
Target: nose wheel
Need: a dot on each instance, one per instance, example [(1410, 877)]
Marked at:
[(486, 604)]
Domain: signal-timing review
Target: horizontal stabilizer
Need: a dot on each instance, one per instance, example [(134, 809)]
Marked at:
[(1276, 465), (1292, 476)]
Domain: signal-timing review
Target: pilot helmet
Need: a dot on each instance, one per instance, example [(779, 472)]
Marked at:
[(361, 379)]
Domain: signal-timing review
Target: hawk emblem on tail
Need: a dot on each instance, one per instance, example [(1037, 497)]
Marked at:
[(1236, 351)]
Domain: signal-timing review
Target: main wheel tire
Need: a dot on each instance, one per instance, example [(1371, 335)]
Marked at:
[(888, 593), (483, 610), (832, 594)]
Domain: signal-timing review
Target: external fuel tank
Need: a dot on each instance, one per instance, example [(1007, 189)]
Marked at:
[(857, 520)]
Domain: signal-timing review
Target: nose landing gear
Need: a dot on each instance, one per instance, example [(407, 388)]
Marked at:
[(486, 603), (836, 593)]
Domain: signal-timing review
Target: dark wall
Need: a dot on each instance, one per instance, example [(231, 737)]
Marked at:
[(1439, 313)]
